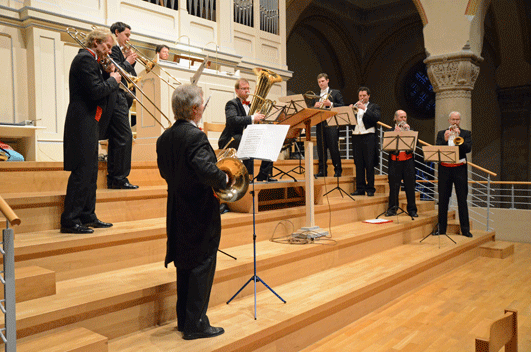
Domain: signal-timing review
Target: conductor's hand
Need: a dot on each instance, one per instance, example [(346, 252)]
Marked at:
[(258, 117), (116, 76)]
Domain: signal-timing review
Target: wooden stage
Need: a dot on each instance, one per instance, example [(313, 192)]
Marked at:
[(364, 288)]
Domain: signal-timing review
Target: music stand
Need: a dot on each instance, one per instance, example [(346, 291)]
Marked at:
[(345, 117), (292, 104), (394, 141), (445, 154), (263, 142), (306, 118)]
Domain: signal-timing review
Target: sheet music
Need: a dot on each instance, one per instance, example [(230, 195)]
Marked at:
[(262, 141)]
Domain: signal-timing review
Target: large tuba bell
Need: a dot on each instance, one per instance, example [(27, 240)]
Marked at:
[(238, 175), (264, 82)]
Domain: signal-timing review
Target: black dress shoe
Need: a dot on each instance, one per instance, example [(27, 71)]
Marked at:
[(76, 229), (223, 208), (390, 213), (413, 214), (467, 234), (209, 332), (358, 193), (337, 174), (267, 179), (98, 224), (320, 174), (121, 185), (370, 194)]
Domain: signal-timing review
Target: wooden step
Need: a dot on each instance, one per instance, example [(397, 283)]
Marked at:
[(33, 282), (71, 340), (317, 304), (497, 249), (145, 294), (138, 242), (455, 227)]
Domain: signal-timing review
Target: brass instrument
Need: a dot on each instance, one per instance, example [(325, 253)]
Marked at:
[(264, 82), (237, 172), (131, 80), (150, 64), (402, 126), (455, 134), (355, 109), (312, 95)]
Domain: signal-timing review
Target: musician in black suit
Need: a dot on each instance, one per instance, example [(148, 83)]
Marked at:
[(401, 167), (454, 174), (365, 143), (118, 131), (89, 95), (237, 118), (188, 164), (328, 136)]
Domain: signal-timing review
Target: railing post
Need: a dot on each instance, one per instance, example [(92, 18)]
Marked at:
[(9, 335), (488, 201), (512, 197), (381, 151)]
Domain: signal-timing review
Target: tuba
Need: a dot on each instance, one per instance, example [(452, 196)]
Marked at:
[(238, 175), (264, 82), (453, 132)]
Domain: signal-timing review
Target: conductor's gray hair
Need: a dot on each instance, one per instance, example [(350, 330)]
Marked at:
[(184, 98)]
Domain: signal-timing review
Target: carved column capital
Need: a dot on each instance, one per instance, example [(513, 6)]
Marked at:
[(453, 72)]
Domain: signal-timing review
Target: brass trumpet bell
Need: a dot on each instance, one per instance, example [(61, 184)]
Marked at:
[(458, 141)]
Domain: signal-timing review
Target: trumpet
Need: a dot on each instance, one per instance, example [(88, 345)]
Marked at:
[(150, 64), (454, 134), (355, 109), (403, 126), (132, 81)]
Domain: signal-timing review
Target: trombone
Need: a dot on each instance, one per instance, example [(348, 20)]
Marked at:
[(150, 64), (131, 80)]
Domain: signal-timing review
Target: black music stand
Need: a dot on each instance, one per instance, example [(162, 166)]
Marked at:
[(440, 153), (252, 143), (345, 117)]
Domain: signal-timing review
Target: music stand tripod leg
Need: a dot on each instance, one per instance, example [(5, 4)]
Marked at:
[(341, 190), (255, 277)]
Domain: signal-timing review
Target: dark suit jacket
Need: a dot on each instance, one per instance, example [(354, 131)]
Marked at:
[(188, 164), (464, 148), (371, 116), (89, 94), (236, 121), (118, 56)]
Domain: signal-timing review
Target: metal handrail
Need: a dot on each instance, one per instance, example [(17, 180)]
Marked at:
[(8, 334)]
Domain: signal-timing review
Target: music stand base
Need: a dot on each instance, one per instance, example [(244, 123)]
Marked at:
[(341, 191)]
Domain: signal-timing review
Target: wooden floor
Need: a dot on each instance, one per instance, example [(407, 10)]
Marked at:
[(448, 313), (368, 288)]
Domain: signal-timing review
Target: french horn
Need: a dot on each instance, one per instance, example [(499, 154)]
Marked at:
[(237, 172)]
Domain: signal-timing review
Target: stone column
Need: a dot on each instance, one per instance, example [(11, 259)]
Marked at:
[(453, 77), (515, 106)]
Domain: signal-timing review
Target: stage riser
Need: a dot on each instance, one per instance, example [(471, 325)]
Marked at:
[(150, 247), (136, 310)]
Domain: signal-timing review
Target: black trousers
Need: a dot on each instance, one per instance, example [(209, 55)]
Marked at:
[(364, 157), (193, 294), (120, 142), (398, 171), (328, 139), (457, 176), (80, 199)]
